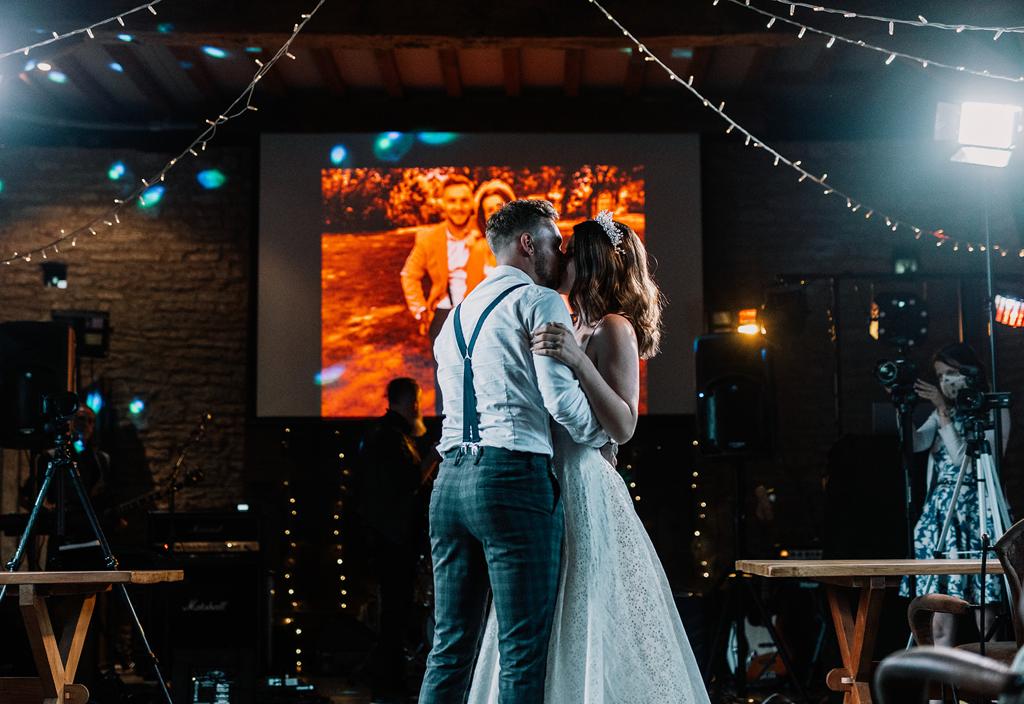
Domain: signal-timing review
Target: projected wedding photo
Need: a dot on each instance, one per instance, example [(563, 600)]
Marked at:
[(390, 236)]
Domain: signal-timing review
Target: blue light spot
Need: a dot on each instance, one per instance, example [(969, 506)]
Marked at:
[(165, 28), (215, 52), (338, 154), (57, 77), (329, 375), (253, 50), (682, 53), (79, 446), (116, 170), (392, 146), (436, 139), (211, 179), (114, 66), (185, 64), (30, 64), (94, 401), (1, 185), (126, 37), (136, 406), (151, 196)]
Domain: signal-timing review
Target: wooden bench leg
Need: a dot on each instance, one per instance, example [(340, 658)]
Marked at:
[(29, 690), (856, 635), (56, 662)]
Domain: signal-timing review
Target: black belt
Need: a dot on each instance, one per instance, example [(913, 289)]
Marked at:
[(498, 453)]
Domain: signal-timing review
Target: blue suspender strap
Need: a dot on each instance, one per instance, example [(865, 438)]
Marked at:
[(470, 417)]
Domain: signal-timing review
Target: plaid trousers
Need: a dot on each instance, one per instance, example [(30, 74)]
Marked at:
[(495, 521)]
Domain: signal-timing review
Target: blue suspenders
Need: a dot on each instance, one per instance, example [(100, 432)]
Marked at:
[(470, 416)]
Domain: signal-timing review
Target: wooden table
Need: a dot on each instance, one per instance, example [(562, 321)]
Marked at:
[(856, 632), (57, 661)]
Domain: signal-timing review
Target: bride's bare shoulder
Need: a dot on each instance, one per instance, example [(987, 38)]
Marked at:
[(614, 331)]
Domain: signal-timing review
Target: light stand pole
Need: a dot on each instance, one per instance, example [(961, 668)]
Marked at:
[(997, 451)]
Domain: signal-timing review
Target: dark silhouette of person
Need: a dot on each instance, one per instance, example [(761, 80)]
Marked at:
[(392, 472)]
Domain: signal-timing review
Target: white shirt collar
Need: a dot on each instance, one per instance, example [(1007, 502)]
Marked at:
[(506, 270)]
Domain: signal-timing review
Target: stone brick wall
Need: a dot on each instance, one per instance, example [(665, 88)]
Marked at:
[(175, 280)]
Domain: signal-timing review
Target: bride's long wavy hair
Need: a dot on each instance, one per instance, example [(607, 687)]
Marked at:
[(611, 281)]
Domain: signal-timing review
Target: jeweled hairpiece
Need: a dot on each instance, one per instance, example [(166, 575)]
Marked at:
[(607, 223)]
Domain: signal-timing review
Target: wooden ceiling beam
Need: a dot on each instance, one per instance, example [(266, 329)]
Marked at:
[(273, 83), (635, 73), (573, 72), (91, 88), (238, 41), (142, 77), (699, 65), (757, 69), (512, 68), (34, 89), (200, 74), (451, 73), (388, 66), (327, 65)]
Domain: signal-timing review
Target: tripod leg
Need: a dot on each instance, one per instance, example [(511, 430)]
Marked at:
[(111, 561), (721, 630), (742, 644), (782, 647), (996, 508), (37, 507), (145, 641), (947, 523)]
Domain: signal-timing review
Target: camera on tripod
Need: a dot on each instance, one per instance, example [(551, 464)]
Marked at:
[(978, 402), (898, 377), (60, 408)]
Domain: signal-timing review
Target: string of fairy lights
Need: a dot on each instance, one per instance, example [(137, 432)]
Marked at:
[(89, 31), (291, 601), (890, 54), (339, 544), (241, 105), (290, 562), (893, 22), (700, 543), (853, 204)]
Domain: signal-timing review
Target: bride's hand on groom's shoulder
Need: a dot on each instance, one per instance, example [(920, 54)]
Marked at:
[(556, 340)]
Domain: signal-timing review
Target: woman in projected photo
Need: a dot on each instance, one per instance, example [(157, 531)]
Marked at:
[(489, 198), (616, 634)]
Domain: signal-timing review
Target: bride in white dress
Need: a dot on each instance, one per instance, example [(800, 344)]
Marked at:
[(616, 636)]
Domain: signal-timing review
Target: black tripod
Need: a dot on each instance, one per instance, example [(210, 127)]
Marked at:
[(63, 463), (739, 592)]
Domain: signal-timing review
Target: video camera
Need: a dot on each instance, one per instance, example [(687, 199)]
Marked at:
[(974, 400), (898, 377)]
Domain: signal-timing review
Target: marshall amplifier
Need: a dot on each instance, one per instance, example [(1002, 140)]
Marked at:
[(215, 620)]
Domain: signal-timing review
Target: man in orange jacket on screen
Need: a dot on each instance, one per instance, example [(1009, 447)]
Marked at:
[(450, 256)]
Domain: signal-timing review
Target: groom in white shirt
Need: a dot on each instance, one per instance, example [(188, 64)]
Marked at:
[(495, 518)]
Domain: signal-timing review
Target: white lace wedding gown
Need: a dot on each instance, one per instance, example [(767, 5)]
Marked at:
[(617, 637)]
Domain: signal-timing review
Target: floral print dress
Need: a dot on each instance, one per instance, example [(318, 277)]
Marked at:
[(964, 537)]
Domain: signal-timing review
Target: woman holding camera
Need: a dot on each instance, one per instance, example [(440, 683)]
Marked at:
[(957, 367)]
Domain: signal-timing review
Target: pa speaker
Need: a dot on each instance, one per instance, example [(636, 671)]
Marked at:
[(36, 360), (734, 395)]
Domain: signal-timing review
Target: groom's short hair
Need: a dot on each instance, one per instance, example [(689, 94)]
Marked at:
[(515, 218)]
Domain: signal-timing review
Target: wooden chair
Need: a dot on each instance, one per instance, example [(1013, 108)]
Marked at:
[(1010, 551)]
